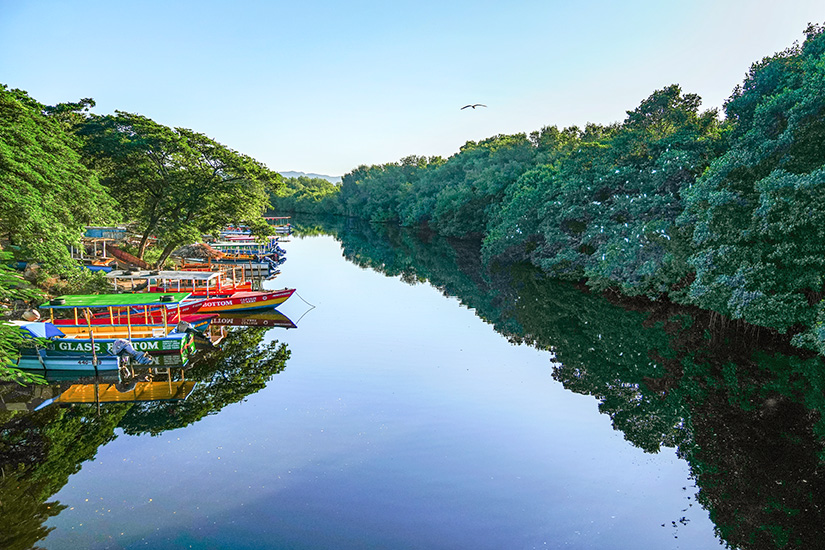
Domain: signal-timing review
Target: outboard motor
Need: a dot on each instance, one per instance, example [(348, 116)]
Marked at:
[(183, 326), (122, 347)]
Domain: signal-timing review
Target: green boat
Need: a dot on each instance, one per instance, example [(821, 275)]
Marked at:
[(132, 331)]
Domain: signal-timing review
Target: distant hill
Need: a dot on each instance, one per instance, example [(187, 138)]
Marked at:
[(332, 179)]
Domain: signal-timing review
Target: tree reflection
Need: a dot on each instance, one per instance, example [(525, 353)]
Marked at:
[(739, 404), (239, 368), (38, 453), (40, 450)]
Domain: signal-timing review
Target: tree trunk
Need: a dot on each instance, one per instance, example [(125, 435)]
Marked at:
[(144, 240), (165, 254), (153, 223), (142, 247)]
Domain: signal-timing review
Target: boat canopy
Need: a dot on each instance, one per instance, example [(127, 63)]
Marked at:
[(199, 276), (115, 300), (242, 243)]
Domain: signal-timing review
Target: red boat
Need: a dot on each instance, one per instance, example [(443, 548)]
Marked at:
[(190, 308), (242, 301)]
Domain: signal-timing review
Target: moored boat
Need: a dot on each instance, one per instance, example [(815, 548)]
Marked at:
[(121, 333), (129, 315), (205, 283), (198, 321), (252, 268), (246, 301)]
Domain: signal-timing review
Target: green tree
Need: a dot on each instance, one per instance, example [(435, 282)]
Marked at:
[(46, 194), (480, 175), (378, 192), (759, 226), (13, 288), (176, 184), (308, 195), (514, 228), (606, 210)]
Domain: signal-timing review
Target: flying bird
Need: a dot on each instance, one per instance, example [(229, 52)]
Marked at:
[(473, 106)]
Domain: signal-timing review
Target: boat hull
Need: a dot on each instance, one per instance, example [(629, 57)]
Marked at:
[(246, 301), (83, 363), (181, 344)]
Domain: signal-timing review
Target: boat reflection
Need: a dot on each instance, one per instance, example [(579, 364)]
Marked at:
[(129, 392), (48, 431), (72, 387), (270, 318)]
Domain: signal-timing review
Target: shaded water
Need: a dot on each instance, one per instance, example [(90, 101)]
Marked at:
[(479, 411)]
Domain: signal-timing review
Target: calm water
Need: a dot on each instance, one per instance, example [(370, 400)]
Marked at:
[(404, 420)]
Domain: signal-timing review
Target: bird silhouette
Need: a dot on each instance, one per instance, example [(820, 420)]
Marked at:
[(473, 106)]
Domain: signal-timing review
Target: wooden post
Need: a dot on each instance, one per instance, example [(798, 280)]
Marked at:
[(88, 315)]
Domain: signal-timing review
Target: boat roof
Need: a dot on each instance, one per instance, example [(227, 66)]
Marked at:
[(165, 275), (115, 300), (238, 243)]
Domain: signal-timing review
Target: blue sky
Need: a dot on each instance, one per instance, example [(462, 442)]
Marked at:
[(320, 86)]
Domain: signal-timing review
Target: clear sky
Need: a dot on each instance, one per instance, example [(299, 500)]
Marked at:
[(323, 86)]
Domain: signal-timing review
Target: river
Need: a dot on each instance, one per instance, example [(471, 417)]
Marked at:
[(422, 402)]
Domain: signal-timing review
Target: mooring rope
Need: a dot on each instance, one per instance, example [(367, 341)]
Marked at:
[(311, 307), (302, 299)]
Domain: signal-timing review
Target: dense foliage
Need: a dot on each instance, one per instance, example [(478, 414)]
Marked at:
[(13, 288), (674, 203), (307, 194), (759, 236), (47, 195)]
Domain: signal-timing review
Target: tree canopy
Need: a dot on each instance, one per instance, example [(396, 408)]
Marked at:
[(46, 194), (175, 184), (759, 225)]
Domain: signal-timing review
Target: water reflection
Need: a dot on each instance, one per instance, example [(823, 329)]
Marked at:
[(271, 318), (739, 404), (47, 432), (130, 392)]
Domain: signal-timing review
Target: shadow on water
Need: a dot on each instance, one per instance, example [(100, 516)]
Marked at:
[(739, 404), (40, 449)]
